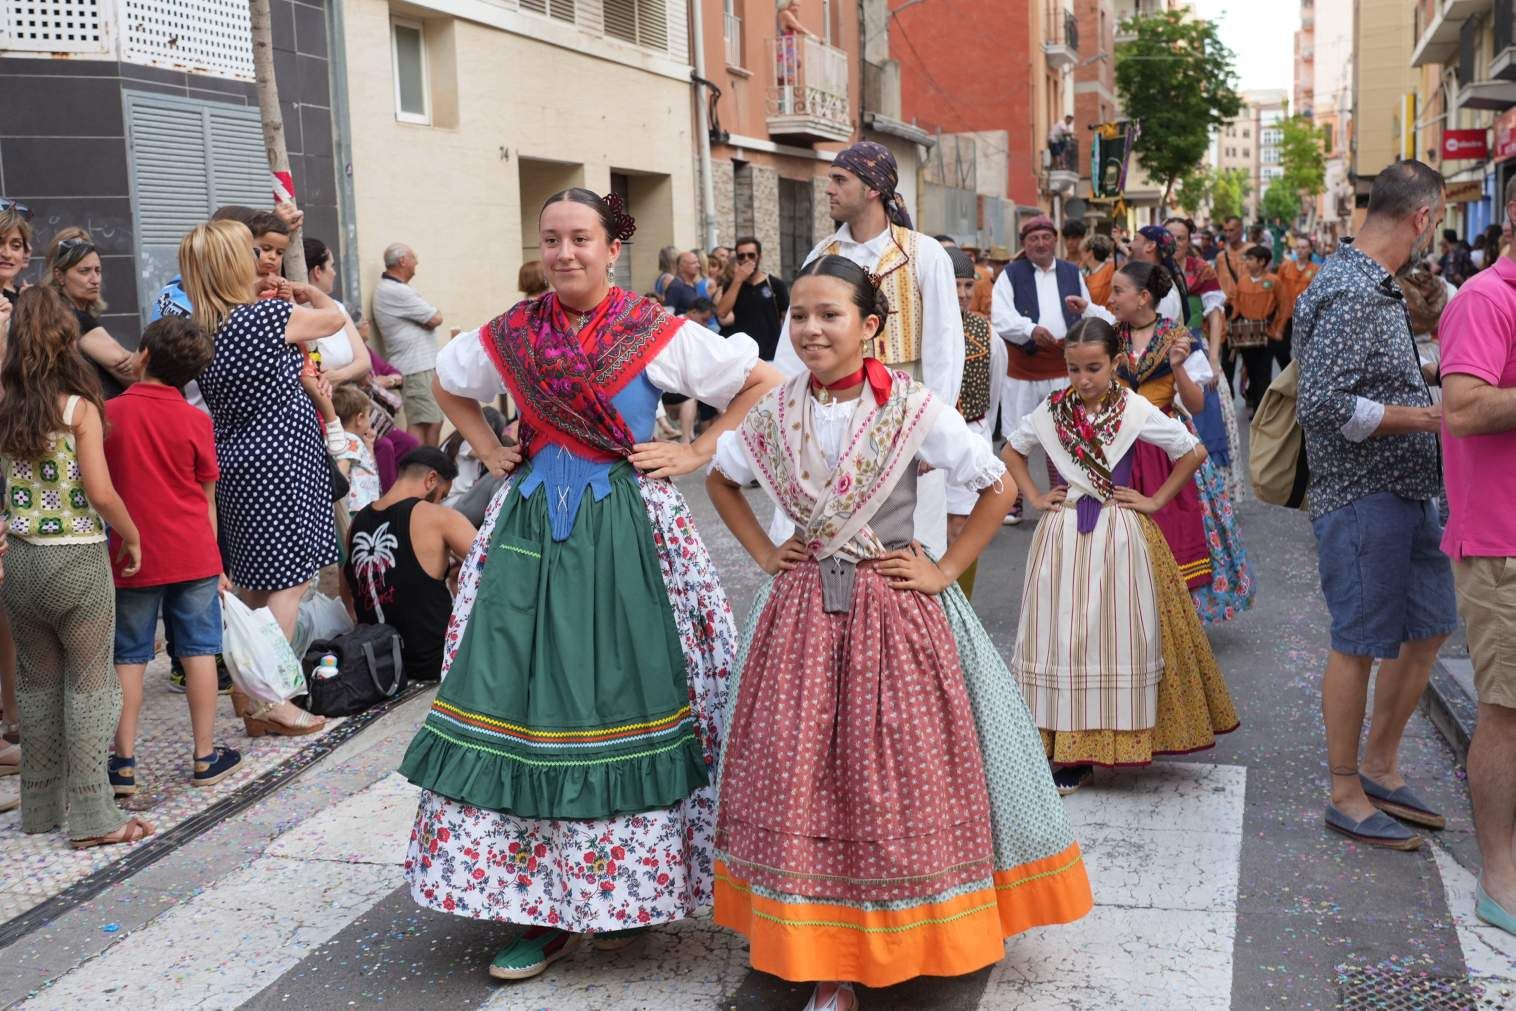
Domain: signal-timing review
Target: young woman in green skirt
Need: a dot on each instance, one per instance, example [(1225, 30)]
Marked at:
[(567, 762)]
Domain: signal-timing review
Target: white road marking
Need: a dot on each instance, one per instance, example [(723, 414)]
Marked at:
[(1489, 953), (221, 947), (1163, 846)]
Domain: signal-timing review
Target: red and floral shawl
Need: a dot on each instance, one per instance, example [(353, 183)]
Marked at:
[(831, 506), (563, 382), (1084, 436)]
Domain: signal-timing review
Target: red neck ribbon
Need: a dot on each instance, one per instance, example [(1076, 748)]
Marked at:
[(873, 370)]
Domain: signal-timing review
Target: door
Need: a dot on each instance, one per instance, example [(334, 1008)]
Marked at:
[(795, 239)]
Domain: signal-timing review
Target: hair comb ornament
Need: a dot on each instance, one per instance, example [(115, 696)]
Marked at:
[(623, 225), (874, 279)]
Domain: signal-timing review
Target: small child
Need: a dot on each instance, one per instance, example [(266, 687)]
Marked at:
[(356, 458), (271, 237), (162, 454), (703, 311)]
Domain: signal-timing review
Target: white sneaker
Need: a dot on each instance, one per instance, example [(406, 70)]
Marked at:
[(336, 437)]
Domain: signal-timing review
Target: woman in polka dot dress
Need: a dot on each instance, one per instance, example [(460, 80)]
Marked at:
[(274, 501), (885, 810)]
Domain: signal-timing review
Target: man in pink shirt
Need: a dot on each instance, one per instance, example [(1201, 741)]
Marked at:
[(1478, 337)]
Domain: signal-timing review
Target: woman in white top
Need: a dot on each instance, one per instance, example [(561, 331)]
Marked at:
[(578, 723)]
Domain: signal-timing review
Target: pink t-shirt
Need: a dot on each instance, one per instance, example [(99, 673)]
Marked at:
[(1478, 338)]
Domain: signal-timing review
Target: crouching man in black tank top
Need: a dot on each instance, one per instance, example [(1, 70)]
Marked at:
[(400, 551)]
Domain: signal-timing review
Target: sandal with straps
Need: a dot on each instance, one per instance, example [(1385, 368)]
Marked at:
[(256, 718), (135, 830)]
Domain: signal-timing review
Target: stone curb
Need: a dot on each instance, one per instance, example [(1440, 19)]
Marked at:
[(1451, 710)]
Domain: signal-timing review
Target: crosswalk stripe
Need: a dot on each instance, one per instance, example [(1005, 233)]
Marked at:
[(222, 946), (1162, 845), (1488, 952)]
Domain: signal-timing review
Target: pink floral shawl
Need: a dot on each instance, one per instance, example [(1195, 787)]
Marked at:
[(831, 508)]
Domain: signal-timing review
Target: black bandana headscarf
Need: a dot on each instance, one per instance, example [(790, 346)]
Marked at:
[(874, 164)]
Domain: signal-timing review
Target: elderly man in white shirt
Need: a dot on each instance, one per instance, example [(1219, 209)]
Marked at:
[(1034, 302), (924, 332)]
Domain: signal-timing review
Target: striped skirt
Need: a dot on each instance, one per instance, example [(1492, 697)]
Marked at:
[(1088, 654)]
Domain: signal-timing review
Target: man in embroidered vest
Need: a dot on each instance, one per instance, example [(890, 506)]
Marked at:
[(924, 332), (1037, 298)]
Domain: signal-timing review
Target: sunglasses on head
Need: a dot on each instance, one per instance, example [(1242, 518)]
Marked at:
[(74, 250), (21, 209)]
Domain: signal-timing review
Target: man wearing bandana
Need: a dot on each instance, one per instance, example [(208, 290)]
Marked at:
[(924, 332)]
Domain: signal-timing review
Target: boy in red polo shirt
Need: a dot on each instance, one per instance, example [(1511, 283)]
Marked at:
[(162, 458)]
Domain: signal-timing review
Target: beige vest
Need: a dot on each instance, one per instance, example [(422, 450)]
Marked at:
[(900, 342)]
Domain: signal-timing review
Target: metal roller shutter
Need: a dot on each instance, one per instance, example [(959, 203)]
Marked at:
[(187, 158)]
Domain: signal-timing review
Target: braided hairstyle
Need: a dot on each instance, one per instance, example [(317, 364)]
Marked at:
[(1150, 277), (865, 289), (611, 209)]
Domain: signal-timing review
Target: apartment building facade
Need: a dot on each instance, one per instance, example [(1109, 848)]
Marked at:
[(463, 115), (1464, 97), (784, 104), (1332, 112), (136, 120), (1252, 143), (975, 92)]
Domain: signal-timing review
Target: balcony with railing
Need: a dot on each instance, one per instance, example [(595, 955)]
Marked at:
[(1437, 34), (808, 100), (1062, 163), (1060, 43), (1503, 24), (731, 36)]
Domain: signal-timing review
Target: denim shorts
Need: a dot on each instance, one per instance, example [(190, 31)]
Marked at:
[(191, 617), (1383, 573)]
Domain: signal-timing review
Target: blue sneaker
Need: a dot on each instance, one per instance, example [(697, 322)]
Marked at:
[(213, 768), (123, 775)]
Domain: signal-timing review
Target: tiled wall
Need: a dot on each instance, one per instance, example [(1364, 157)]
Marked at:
[(63, 143)]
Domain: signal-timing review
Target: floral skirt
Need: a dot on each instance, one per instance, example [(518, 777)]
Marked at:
[(1193, 703), (1231, 588), (886, 811), (606, 873), (1237, 474)]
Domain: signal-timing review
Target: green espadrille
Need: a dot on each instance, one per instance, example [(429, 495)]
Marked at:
[(532, 952)]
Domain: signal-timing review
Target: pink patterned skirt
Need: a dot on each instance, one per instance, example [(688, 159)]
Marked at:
[(852, 768)]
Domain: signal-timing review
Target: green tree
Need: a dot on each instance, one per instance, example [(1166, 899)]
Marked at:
[(1177, 78), (1194, 190), (1281, 202), (1228, 189), (1300, 152)]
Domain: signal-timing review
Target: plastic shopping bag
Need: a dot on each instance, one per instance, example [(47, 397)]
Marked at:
[(258, 656), (321, 617)]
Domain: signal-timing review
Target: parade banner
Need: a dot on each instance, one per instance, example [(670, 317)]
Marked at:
[(1110, 155)]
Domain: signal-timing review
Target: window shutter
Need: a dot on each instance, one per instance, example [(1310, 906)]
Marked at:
[(239, 160), (621, 19), (187, 158), (652, 24)]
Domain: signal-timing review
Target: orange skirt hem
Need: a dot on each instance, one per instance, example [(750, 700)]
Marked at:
[(822, 940)]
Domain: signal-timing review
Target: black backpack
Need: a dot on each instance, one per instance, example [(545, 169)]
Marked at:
[(370, 670)]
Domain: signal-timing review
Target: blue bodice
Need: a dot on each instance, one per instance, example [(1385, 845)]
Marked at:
[(565, 475)]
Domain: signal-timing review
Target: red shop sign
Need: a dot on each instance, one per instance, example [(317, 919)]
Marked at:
[(1464, 144), (1505, 135)]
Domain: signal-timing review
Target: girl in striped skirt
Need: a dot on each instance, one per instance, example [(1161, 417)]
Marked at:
[(1110, 653)]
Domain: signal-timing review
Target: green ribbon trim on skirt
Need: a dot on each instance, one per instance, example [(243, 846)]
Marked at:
[(568, 696)]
